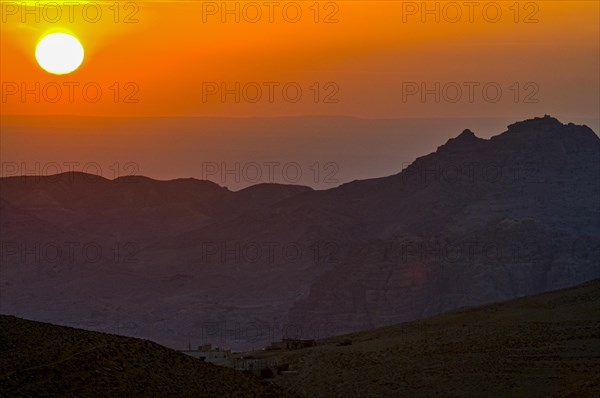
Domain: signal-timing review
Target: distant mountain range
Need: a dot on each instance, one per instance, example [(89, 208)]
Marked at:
[(185, 260)]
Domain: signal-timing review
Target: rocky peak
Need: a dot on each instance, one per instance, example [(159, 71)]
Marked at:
[(466, 135), (464, 141), (546, 123), (547, 131)]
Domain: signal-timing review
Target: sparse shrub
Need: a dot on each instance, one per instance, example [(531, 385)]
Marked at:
[(266, 373), (282, 368)]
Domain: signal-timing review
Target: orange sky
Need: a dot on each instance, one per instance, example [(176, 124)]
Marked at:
[(362, 61)]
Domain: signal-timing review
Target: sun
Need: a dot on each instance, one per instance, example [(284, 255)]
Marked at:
[(59, 53)]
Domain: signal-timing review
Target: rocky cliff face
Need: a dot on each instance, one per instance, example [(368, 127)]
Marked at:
[(476, 221)]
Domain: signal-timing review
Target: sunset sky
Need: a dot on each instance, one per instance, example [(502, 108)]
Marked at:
[(363, 55), (480, 65)]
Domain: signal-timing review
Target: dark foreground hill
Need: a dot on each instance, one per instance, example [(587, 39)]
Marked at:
[(538, 346), (43, 360)]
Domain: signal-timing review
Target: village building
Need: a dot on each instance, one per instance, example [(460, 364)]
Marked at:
[(208, 354), (291, 344)]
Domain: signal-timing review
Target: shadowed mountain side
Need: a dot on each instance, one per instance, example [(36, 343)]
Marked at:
[(40, 359), (521, 209), (448, 237), (79, 243)]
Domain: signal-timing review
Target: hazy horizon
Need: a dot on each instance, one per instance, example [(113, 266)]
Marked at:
[(317, 151)]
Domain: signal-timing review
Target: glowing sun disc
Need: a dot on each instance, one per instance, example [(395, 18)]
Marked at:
[(59, 53)]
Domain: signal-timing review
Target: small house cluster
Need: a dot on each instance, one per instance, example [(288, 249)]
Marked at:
[(256, 363), (291, 344), (208, 354), (253, 364)]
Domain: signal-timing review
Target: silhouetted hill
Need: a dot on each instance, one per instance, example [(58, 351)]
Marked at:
[(40, 359)]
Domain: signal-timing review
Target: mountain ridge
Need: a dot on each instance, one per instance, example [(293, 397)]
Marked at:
[(541, 124), (360, 255)]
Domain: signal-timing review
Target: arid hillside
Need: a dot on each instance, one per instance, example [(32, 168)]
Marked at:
[(43, 360), (539, 346)]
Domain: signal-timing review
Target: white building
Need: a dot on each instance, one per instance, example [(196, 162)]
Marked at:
[(207, 354)]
